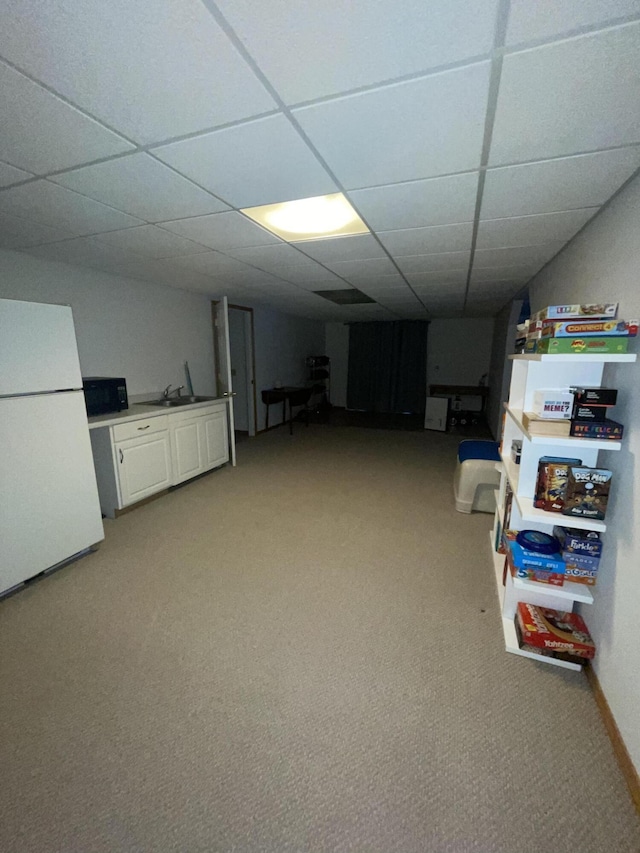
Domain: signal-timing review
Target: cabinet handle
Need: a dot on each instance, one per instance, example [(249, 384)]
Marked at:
[(121, 456), (145, 427)]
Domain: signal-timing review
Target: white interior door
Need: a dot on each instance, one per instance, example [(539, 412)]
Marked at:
[(223, 366)]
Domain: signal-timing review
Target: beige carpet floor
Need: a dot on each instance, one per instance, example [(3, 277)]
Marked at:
[(301, 654)]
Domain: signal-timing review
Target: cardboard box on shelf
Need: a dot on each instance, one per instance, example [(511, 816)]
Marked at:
[(589, 413), (545, 426), (611, 430), (575, 541), (580, 568), (565, 346), (595, 396), (605, 311), (552, 403), (591, 328), (586, 493), (553, 474), (554, 633)]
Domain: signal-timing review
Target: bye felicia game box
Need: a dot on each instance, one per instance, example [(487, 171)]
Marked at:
[(553, 633)]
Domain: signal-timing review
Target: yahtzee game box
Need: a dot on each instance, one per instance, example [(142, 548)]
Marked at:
[(553, 633)]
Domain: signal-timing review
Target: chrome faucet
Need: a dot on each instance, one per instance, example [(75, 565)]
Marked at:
[(166, 393)]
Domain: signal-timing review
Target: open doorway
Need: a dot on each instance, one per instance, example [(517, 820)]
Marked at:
[(241, 346)]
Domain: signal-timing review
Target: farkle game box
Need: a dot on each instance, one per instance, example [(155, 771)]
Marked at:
[(553, 633)]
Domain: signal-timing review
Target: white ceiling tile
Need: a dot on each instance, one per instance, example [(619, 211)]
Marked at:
[(257, 162), (153, 71), (572, 96), (41, 133), (551, 185), (520, 273), (438, 201), (421, 241), (222, 231), (152, 241), (57, 207), (16, 233), (434, 263), (10, 175), (277, 259), (383, 283), (450, 278), (140, 185), (364, 268), (212, 263), (85, 251), (546, 19), (392, 134), (354, 248), (521, 255), (530, 230), (291, 42)]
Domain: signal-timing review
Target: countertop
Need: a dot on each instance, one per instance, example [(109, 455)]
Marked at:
[(137, 411)]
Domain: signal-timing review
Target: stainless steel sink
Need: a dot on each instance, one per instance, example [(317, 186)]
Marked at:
[(172, 402)]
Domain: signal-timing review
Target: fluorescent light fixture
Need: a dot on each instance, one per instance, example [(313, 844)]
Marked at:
[(309, 218)]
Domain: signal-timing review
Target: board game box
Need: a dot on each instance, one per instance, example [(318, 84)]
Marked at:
[(603, 328), (553, 474), (605, 311), (581, 569), (565, 346), (574, 541), (554, 633), (595, 396), (607, 429), (587, 492)]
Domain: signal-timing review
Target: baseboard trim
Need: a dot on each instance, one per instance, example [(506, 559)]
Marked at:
[(620, 751)]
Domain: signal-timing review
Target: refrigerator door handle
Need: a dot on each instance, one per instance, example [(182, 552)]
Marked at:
[(121, 455)]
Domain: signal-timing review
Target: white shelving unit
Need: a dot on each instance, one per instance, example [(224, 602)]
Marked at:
[(532, 372)]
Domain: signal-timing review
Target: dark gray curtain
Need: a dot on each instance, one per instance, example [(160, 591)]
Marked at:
[(387, 366)]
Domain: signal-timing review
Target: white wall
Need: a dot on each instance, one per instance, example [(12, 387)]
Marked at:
[(337, 335), (458, 351), (282, 343), (124, 327), (602, 264)]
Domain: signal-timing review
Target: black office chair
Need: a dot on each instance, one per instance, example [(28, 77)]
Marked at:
[(299, 398)]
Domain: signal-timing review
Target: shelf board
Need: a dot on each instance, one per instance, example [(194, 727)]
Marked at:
[(498, 567), (574, 357), (569, 591), (530, 513), (508, 625), (561, 440), (512, 471), (511, 645)]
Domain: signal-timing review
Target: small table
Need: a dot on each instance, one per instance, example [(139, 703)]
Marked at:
[(460, 391), (297, 396)]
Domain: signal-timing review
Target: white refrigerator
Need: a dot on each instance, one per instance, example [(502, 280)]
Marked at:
[(49, 508)]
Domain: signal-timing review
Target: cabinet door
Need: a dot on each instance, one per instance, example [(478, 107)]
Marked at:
[(214, 438), (144, 466), (187, 452)]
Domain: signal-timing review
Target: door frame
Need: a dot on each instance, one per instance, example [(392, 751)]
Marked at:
[(251, 359)]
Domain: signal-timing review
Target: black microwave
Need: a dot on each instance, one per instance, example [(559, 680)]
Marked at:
[(102, 395)]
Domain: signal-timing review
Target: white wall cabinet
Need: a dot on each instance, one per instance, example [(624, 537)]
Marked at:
[(530, 373), (140, 458)]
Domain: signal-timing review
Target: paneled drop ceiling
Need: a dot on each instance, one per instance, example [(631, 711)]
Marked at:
[(474, 139)]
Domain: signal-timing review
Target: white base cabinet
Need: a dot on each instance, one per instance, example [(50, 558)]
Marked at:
[(199, 442), (140, 458)]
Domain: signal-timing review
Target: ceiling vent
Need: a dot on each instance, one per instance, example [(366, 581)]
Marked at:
[(345, 297)]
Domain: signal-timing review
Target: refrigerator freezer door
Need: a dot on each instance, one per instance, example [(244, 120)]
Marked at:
[(49, 508), (38, 350)]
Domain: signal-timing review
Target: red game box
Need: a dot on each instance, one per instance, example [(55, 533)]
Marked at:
[(553, 633)]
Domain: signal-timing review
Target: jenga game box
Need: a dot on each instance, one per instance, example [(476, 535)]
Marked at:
[(553, 633), (553, 474), (587, 492)]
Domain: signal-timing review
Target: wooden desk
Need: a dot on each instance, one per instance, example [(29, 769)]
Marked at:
[(297, 396)]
